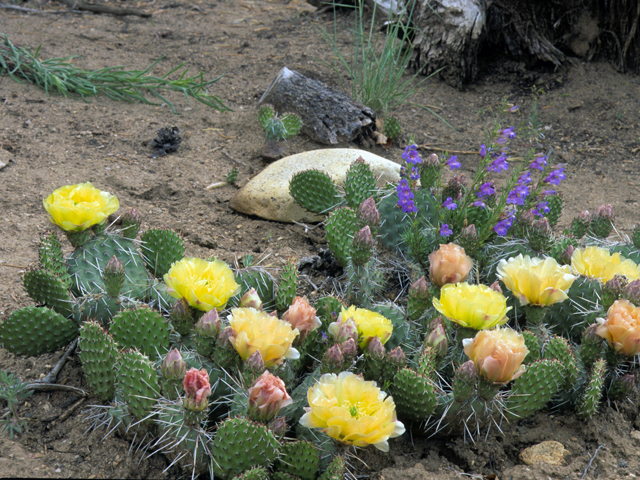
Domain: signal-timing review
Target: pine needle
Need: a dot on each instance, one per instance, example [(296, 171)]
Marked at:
[(59, 75)]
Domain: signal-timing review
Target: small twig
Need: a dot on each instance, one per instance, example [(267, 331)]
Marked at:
[(2, 264), (591, 461), (38, 386), (52, 376), (35, 10), (427, 147), (89, 7), (233, 159), (70, 410)]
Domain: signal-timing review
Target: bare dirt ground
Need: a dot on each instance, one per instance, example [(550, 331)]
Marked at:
[(588, 113)]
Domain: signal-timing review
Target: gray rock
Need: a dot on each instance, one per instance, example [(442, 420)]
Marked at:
[(267, 194)]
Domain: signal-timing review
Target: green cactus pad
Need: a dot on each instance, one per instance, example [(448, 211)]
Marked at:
[(287, 287), (255, 473), (261, 280), (292, 123), (52, 258), (95, 306), (587, 405), (241, 444), (336, 469), (300, 459), (283, 476), (138, 381), (533, 345), (161, 247), (533, 390), (141, 328), (414, 395), (315, 191), (98, 353), (572, 316), (340, 228), (394, 222), (392, 128), (47, 288), (33, 331), (265, 113), (360, 183), (554, 202), (560, 349), (85, 265)]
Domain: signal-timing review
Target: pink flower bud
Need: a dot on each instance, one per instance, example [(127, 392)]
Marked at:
[(333, 357), (224, 339), (349, 349), (368, 213), (469, 232), (376, 349), (565, 257), (114, 266), (632, 292), (496, 287), (604, 212), (584, 217), (397, 357), (437, 340), (278, 426), (197, 389), (541, 226), (420, 289), (173, 366), (302, 316), (209, 324), (251, 299), (468, 372), (255, 362), (344, 331), (266, 397)]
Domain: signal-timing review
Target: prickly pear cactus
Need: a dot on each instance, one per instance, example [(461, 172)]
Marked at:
[(98, 353), (392, 128), (341, 226), (137, 379), (52, 258), (414, 395), (287, 287), (315, 191), (588, 403), (32, 331), (161, 247), (299, 458), (240, 444), (360, 183), (141, 328), (533, 390), (48, 289)]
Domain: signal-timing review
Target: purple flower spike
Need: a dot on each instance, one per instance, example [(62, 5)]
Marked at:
[(541, 209), (483, 150), (405, 197), (450, 204), (556, 175), (485, 190), (410, 155), (479, 204), (453, 163), (498, 164), (503, 226), (539, 163), (508, 133), (525, 178), (445, 231), (415, 174)]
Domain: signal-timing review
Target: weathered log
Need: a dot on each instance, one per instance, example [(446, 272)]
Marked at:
[(447, 38), (328, 116)]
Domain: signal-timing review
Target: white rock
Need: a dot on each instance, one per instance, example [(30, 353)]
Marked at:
[(267, 194)]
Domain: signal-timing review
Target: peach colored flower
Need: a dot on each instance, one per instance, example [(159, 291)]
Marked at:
[(497, 354), (535, 281), (352, 411), (266, 397), (621, 328), (449, 264), (302, 316), (75, 208), (257, 330), (204, 285), (197, 389), (369, 324)]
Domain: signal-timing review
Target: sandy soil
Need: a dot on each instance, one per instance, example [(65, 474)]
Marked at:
[(587, 113)]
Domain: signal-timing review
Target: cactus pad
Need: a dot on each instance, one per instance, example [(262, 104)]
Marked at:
[(161, 247), (287, 286), (32, 331), (340, 228), (315, 191), (299, 458), (98, 353), (48, 289), (537, 385), (414, 395), (141, 328), (360, 183), (51, 257), (138, 380), (588, 403)]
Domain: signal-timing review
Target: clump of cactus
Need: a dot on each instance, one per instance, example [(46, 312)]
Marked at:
[(229, 371), (278, 127)]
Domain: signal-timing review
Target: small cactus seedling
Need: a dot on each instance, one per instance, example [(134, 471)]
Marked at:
[(277, 127)]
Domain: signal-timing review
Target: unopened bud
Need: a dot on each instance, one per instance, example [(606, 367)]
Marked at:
[(278, 426), (343, 331), (469, 232), (565, 257), (251, 299), (131, 222), (604, 212), (224, 339), (432, 160), (376, 349), (632, 292), (420, 289), (584, 217), (437, 340), (333, 357), (590, 335), (397, 357), (495, 286), (468, 372), (209, 324), (255, 362), (369, 213), (362, 246), (173, 366), (349, 349), (541, 227), (113, 276), (266, 397)]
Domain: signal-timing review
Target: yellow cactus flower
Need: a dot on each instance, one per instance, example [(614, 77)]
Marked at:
[(369, 324), (600, 264), (255, 330), (352, 411), (535, 281), (204, 285), (621, 328), (472, 306), (497, 354), (75, 208)]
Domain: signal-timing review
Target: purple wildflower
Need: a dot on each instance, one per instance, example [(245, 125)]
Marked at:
[(453, 163), (541, 209), (517, 195), (450, 204), (479, 204), (548, 192), (539, 163), (514, 109), (483, 150), (485, 190), (556, 175), (525, 178), (498, 164), (508, 133), (410, 155), (503, 226), (415, 174), (445, 231), (405, 197)]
